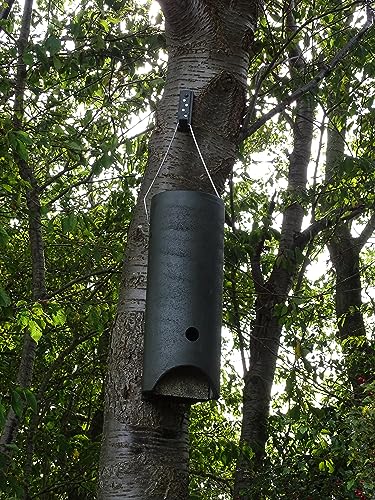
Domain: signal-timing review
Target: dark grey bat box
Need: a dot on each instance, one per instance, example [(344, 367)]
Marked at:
[(184, 296)]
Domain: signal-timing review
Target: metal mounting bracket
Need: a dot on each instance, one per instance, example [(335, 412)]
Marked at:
[(185, 110)]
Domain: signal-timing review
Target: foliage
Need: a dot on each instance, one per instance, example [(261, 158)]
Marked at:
[(93, 69), (85, 90)]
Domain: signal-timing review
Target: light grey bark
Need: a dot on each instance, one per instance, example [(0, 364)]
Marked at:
[(145, 444)]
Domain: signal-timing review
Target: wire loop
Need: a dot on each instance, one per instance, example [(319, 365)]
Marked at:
[(163, 161)]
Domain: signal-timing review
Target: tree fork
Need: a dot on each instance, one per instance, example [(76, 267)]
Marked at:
[(344, 250), (266, 332)]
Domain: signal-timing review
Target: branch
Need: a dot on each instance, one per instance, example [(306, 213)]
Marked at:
[(35, 419), (237, 321), (20, 84), (295, 54), (317, 160), (54, 178), (327, 222), (207, 475), (79, 280), (3, 16), (70, 187), (9, 35), (5, 12), (366, 233), (61, 486), (264, 72), (255, 259), (312, 84), (302, 271), (232, 216), (233, 289), (170, 4)]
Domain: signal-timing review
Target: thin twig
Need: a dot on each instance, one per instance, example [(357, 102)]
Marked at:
[(312, 84)]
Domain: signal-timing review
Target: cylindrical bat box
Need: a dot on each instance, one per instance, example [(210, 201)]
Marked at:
[(184, 296)]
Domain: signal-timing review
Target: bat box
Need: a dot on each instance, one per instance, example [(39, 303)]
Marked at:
[(184, 296)]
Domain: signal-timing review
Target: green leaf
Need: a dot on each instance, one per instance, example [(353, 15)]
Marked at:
[(330, 466), (4, 298), (74, 145), (37, 309), (348, 165), (28, 58), (14, 482), (35, 330), (350, 484), (2, 415), (57, 63), (12, 446), (69, 223), (30, 399), (4, 237), (308, 366), (59, 317), (53, 45), (97, 167), (106, 160), (290, 382), (105, 25), (299, 256), (12, 139), (40, 52), (88, 117), (22, 150), (23, 137), (16, 402), (7, 188)]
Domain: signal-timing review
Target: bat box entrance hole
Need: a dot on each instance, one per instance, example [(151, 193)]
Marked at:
[(192, 334)]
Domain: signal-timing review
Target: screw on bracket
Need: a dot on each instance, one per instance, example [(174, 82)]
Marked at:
[(185, 110)]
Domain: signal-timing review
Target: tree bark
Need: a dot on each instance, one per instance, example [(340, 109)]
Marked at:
[(344, 250), (145, 444), (25, 370), (266, 330)]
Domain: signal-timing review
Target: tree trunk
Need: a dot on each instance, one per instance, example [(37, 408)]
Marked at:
[(266, 331), (344, 250), (145, 444), (26, 366)]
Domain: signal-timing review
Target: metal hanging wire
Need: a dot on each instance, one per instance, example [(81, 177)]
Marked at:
[(183, 124), (204, 163), (158, 171)]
